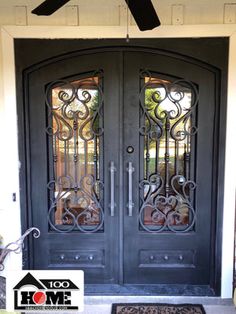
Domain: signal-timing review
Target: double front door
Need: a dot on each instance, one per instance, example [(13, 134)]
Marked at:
[(121, 151)]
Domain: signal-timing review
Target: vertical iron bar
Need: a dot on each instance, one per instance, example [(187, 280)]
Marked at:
[(85, 157), (75, 129), (56, 148), (176, 157), (79, 163), (167, 156), (157, 156), (147, 157), (65, 158), (187, 159), (55, 156), (95, 158), (99, 158)]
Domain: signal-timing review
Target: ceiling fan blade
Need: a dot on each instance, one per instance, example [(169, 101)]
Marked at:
[(48, 7), (144, 14)]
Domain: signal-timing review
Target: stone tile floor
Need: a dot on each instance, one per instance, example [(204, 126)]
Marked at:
[(102, 304), (106, 309), (210, 309)]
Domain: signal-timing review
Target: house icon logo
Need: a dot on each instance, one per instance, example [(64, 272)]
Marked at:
[(31, 294)]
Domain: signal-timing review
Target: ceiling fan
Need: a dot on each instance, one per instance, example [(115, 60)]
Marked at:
[(142, 10)]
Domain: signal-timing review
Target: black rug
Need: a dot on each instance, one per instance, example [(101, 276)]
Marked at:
[(156, 308)]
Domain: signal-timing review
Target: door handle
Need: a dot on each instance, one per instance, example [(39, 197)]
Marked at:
[(112, 170), (130, 204)]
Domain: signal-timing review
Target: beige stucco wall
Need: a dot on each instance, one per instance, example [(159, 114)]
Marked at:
[(110, 12), (1, 132)]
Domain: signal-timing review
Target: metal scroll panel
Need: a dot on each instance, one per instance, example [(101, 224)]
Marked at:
[(167, 143), (75, 134)]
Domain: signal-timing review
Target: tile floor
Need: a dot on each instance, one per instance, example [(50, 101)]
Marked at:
[(102, 305), (210, 309)]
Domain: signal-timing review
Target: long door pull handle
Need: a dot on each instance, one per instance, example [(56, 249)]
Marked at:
[(112, 170), (130, 204)]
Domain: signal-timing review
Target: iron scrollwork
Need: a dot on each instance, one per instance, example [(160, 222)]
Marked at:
[(17, 246), (167, 126), (75, 125)]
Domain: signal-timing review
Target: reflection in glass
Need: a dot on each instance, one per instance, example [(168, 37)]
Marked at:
[(76, 132), (166, 130)]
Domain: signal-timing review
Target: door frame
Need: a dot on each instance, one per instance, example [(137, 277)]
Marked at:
[(9, 33)]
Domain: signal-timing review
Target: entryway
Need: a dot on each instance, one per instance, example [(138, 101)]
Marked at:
[(121, 152)]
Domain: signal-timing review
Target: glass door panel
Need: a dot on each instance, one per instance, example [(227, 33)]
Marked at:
[(75, 111), (167, 117)]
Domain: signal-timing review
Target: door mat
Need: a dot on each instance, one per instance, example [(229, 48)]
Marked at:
[(156, 308)]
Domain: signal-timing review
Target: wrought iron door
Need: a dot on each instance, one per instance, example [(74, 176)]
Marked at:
[(120, 165), (72, 145), (169, 123)]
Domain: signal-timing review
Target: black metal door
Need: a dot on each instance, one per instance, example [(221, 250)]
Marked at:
[(120, 154), (169, 107), (72, 130)]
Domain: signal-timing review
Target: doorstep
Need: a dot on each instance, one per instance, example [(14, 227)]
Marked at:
[(106, 300), (149, 290)]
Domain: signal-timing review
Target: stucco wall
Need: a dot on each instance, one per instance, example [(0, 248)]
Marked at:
[(111, 12)]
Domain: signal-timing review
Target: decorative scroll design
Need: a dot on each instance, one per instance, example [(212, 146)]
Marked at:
[(166, 129), (76, 131), (17, 246)]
